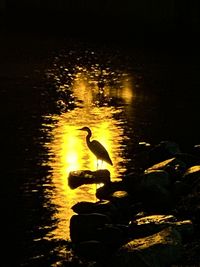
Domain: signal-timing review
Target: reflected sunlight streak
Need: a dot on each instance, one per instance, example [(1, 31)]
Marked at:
[(71, 153)]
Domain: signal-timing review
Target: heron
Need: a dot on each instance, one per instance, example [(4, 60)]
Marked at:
[(96, 147)]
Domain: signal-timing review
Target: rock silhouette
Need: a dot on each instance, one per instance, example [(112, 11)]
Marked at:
[(146, 219)]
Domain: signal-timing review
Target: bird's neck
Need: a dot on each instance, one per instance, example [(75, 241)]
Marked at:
[(88, 137)]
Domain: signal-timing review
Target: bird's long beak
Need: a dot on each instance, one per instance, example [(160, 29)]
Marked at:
[(80, 129)]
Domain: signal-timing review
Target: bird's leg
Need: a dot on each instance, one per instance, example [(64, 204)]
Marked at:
[(96, 184), (97, 164), (101, 164)]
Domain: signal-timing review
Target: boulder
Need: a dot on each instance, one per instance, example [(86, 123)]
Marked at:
[(189, 207), (143, 146), (141, 154), (173, 166), (84, 207), (132, 181), (191, 176), (161, 249), (104, 192), (155, 177), (84, 227), (155, 198), (122, 201), (92, 250), (112, 235), (78, 178), (162, 164), (149, 225), (164, 150), (185, 228), (103, 207), (156, 219), (120, 198), (188, 159), (179, 189)]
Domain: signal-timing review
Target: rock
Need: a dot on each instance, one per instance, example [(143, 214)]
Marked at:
[(191, 176), (144, 146), (132, 181), (164, 150), (136, 210), (173, 166), (156, 219), (161, 249), (120, 198), (163, 164), (185, 228), (155, 177), (141, 154), (111, 235), (189, 207), (140, 214), (104, 192), (150, 188), (179, 189), (155, 198), (149, 225), (78, 178), (103, 207), (84, 227), (92, 250), (84, 207), (122, 201), (191, 255), (188, 159), (94, 227)]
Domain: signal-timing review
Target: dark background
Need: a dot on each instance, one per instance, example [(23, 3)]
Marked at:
[(162, 37), (110, 16)]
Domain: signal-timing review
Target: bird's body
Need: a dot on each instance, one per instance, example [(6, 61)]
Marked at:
[(96, 147)]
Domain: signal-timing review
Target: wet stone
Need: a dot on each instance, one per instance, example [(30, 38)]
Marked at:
[(173, 166), (120, 196), (179, 189), (122, 201), (156, 198), (81, 177), (92, 250), (104, 192), (84, 227), (192, 176), (111, 235), (161, 165), (132, 181), (151, 224), (156, 219), (155, 177), (161, 249), (189, 159), (103, 207), (164, 150)]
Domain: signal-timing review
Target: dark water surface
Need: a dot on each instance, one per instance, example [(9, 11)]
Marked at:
[(49, 88)]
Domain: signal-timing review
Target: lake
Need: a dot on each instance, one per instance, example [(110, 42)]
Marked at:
[(50, 88)]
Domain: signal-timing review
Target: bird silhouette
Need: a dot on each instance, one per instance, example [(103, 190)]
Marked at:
[(96, 148)]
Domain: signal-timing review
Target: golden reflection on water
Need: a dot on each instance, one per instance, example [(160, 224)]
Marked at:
[(70, 152)]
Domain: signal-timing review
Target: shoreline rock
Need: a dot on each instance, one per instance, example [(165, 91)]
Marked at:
[(147, 218)]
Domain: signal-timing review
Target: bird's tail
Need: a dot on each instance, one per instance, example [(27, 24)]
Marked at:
[(109, 161)]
